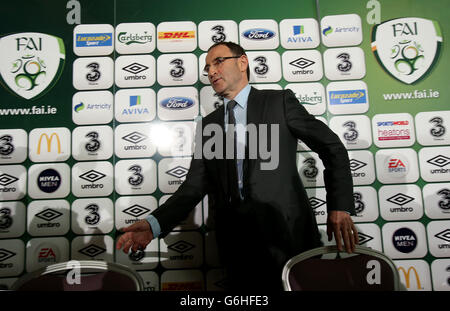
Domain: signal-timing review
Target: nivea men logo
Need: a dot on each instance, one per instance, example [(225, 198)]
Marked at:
[(315, 204), (258, 34), (440, 161), (136, 211), (6, 220), (356, 165), (401, 200), (92, 250), (444, 203), (92, 176), (364, 238), (6, 146), (181, 247), (359, 203), (404, 240), (177, 103), (49, 180)]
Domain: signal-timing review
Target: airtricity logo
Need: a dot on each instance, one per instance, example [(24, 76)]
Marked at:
[(31, 63), (407, 48)]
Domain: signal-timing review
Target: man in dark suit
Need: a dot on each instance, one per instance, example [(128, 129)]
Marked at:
[(262, 216)]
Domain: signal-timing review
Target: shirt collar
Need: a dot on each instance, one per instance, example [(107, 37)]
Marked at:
[(241, 98)]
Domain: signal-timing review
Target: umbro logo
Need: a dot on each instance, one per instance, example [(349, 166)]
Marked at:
[(134, 137), (48, 214), (356, 165), (135, 68), (92, 176), (92, 250), (444, 235), (316, 203), (136, 210), (178, 172), (400, 199), (6, 179), (439, 161), (181, 247), (302, 63)]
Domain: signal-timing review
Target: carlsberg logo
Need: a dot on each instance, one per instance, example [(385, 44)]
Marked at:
[(31, 63), (407, 48)]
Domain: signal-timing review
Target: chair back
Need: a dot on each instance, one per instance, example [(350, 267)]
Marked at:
[(327, 269)]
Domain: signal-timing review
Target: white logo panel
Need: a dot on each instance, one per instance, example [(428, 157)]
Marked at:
[(354, 131), (344, 63), (310, 95), (49, 144), (49, 181), (12, 223), (135, 38), (135, 105), (201, 65), (212, 32), (362, 167), (301, 66), (393, 130), (172, 173), (349, 97), (43, 252), (48, 218), (341, 30), (437, 200), (177, 37), (92, 179), (370, 236), (129, 210), (177, 103), (433, 128), (92, 216), (93, 39), (135, 71), (435, 163), (12, 256), (404, 240), (177, 69), (401, 202), (300, 33), (94, 107), (13, 182), (175, 138), (258, 34), (414, 274), (310, 168), (93, 73), (184, 250), (135, 176), (209, 101), (318, 202), (265, 66), (440, 271), (397, 166), (134, 141), (13, 146), (366, 204), (439, 238), (93, 247), (92, 143)]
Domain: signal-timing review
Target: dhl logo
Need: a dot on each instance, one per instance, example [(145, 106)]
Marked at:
[(49, 140), (407, 275), (162, 35)]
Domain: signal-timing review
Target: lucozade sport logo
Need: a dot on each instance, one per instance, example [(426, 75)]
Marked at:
[(407, 48), (31, 63)]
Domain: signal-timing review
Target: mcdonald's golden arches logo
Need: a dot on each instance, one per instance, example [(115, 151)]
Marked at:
[(407, 275), (49, 144)]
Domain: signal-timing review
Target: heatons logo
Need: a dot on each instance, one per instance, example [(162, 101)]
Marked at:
[(31, 63), (407, 48)]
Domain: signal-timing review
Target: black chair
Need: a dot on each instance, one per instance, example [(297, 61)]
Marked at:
[(327, 269), (83, 275)]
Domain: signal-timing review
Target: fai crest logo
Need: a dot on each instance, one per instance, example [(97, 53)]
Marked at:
[(407, 48), (31, 63)]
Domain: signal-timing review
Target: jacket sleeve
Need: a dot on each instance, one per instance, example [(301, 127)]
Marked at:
[(322, 140), (187, 196)]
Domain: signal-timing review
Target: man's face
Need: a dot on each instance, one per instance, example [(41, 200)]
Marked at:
[(227, 77)]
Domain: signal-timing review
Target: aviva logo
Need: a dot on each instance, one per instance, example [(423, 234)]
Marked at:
[(49, 144)]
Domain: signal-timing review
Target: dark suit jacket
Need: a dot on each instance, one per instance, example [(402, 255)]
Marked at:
[(275, 222)]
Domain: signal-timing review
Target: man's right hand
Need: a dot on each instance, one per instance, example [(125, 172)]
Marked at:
[(137, 236)]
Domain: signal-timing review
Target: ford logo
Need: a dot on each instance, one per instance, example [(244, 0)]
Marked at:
[(258, 34), (177, 103)]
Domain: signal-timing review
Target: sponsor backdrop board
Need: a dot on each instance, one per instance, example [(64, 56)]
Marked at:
[(99, 99)]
